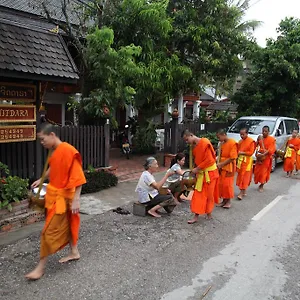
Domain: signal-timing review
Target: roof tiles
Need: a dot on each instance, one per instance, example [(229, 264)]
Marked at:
[(36, 52)]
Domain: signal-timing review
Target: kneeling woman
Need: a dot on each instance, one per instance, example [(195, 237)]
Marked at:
[(147, 189)]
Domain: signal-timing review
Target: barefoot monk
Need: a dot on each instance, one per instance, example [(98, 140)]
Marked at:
[(206, 191), (246, 148), (227, 166), (66, 177), (266, 147), (292, 147)]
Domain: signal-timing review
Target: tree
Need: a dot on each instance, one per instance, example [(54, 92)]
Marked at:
[(273, 87)]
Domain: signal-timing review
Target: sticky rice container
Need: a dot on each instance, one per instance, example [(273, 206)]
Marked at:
[(41, 201)]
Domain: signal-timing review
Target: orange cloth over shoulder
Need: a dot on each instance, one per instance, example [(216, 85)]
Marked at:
[(204, 157), (263, 169), (245, 162), (226, 179)]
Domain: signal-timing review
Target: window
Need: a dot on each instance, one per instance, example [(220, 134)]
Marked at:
[(290, 126), (281, 128), (254, 126)]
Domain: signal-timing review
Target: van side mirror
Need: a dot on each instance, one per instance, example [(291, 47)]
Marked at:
[(278, 132)]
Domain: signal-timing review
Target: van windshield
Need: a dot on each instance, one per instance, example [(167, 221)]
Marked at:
[(253, 126)]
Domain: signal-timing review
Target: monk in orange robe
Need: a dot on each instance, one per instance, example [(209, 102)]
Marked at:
[(246, 148), (206, 190), (226, 164), (297, 157), (266, 147), (66, 178), (292, 147)]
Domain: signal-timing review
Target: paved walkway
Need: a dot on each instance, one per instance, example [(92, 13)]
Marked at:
[(129, 169), (128, 172)]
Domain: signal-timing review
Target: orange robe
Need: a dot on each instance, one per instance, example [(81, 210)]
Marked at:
[(290, 155), (206, 195), (298, 158), (226, 180), (61, 226), (262, 170), (245, 163)]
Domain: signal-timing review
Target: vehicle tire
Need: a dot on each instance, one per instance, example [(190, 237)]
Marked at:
[(274, 163)]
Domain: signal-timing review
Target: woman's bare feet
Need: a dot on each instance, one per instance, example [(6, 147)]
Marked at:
[(154, 214)]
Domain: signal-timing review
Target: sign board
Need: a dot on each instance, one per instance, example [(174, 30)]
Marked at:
[(17, 113), (17, 92), (17, 133)]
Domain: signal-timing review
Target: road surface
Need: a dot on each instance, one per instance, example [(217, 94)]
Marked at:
[(248, 252)]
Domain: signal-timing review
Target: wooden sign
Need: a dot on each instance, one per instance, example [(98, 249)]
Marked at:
[(17, 113), (17, 133), (17, 92)]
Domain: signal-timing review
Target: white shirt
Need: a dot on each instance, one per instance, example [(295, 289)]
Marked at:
[(144, 188), (175, 177)]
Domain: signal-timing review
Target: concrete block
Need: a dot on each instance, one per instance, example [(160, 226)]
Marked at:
[(140, 209)]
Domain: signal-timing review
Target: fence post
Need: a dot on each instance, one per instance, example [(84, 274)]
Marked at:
[(38, 147), (106, 143), (174, 135)]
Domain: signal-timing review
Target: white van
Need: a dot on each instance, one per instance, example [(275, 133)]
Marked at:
[(280, 127)]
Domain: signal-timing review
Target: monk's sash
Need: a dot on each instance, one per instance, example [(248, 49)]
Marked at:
[(243, 159), (298, 152), (202, 174), (58, 197), (289, 152)]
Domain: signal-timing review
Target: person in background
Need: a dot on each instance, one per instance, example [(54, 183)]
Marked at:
[(292, 147), (174, 181), (148, 190), (266, 147), (246, 149), (227, 168)]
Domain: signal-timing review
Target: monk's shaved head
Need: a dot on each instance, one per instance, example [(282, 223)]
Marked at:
[(266, 128), (47, 129), (221, 132), (186, 133), (244, 129)]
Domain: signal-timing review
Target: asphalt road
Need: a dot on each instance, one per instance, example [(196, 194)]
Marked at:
[(248, 252)]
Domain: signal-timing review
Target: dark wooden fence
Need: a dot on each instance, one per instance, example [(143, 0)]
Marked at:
[(26, 159), (173, 141)]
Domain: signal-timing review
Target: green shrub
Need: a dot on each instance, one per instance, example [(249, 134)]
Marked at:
[(212, 136), (98, 180), (144, 139), (12, 188)]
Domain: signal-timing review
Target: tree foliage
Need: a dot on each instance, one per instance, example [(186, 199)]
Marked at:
[(273, 87)]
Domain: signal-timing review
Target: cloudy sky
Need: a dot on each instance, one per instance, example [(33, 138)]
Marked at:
[(271, 12)]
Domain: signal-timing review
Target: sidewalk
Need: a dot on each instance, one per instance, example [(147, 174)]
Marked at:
[(120, 195)]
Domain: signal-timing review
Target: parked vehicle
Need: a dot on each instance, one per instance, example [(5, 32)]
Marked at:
[(280, 127), (124, 142)]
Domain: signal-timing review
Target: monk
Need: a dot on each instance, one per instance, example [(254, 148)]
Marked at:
[(266, 147), (66, 178), (206, 190), (297, 158), (227, 167), (246, 148), (291, 149)]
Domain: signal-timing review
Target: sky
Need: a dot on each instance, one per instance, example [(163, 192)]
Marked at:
[(271, 12)]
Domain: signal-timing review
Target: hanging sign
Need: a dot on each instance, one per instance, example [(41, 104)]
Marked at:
[(17, 133), (17, 92), (17, 113)]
